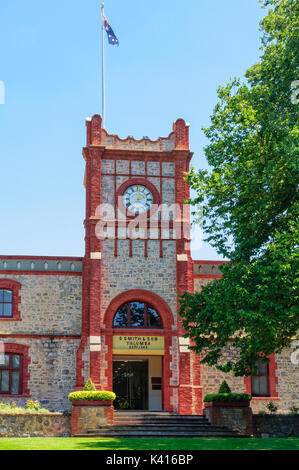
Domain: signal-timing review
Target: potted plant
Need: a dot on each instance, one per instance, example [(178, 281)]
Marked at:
[(91, 408), (229, 409)]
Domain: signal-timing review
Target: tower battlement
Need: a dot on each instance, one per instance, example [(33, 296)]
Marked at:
[(178, 139)]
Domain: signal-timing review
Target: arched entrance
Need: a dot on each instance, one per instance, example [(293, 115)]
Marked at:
[(141, 324)]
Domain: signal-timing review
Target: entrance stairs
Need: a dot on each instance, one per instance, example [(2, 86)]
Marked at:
[(159, 424)]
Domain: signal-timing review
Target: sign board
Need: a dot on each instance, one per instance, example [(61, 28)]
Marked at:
[(138, 345)]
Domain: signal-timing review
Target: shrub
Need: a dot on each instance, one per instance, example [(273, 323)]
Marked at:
[(89, 386), (92, 396), (13, 409), (224, 388), (212, 397), (33, 405), (271, 407), (294, 410)]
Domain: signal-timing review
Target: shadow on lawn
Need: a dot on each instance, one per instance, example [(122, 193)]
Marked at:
[(189, 444)]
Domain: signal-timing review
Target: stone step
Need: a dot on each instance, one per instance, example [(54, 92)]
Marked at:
[(170, 418), (159, 424), (153, 427), (145, 412), (160, 421), (164, 425), (165, 418), (150, 413), (174, 434)]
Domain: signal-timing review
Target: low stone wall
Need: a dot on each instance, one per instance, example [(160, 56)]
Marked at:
[(236, 416), (35, 425), (275, 426)]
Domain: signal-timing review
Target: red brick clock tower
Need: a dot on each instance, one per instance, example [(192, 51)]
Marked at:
[(137, 258)]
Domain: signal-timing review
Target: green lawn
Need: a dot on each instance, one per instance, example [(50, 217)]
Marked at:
[(147, 444)]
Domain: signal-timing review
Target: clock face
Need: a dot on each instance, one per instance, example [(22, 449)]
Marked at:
[(138, 199)]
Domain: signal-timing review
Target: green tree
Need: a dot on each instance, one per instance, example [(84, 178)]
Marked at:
[(250, 200)]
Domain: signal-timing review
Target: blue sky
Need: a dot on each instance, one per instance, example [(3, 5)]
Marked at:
[(172, 57)]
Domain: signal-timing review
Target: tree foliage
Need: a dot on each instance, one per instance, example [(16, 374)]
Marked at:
[(250, 200)]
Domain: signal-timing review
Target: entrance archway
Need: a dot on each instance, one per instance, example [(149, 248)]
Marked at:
[(141, 325)]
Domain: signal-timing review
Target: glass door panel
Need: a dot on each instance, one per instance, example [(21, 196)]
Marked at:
[(130, 384)]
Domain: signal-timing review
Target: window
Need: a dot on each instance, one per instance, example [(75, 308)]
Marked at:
[(10, 374), (260, 382), (263, 385), (6, 303), (10, 300), (137, 315)]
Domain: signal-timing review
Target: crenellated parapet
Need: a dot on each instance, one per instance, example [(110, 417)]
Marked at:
[(178, 139)]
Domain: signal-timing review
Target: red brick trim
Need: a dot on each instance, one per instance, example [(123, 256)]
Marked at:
[(136, 155), (15, 287), (272, 380), (207, 276), (25, 376), (134, 331), (265, 399), (142, 295), (210, 262), (37, 258), (228, 404), (92, 403), (143, 182), (41, 273), (28, 336), (95, 133)]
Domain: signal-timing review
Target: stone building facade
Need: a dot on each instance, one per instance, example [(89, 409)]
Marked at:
[(112, 315)]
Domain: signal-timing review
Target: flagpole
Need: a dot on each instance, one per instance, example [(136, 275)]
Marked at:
[(103, 71)]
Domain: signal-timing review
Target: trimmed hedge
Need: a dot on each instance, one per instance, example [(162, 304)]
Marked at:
[(227, 397), (92, 396), (89, 386), (224, 388)]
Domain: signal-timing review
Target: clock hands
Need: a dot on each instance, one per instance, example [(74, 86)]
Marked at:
[(139, 198)]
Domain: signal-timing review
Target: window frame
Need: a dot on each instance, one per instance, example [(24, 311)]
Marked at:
[(14, 287), (145, 317), (3, 303), (17, 349), (272, 382), (258, 376), (11, 369)]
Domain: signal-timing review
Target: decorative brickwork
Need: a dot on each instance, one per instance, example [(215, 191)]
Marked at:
[(145, 296), (178, 139)]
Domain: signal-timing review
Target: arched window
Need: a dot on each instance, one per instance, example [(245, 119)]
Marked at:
[(137, 315)]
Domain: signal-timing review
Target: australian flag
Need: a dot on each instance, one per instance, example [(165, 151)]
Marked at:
[(112, 39)]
